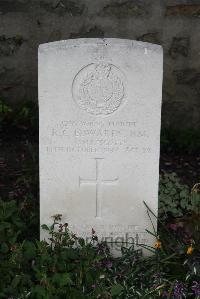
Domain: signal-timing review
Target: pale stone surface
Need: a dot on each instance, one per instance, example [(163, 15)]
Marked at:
[(100, 112)]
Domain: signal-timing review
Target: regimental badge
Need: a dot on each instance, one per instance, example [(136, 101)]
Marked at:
[(99, 88)]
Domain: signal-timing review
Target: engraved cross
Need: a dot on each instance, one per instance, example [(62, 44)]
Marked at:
[(98, 182)]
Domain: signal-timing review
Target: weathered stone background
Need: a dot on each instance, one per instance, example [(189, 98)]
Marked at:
[(24, 24)]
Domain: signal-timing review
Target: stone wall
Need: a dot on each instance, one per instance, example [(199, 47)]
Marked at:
[(24, 24)]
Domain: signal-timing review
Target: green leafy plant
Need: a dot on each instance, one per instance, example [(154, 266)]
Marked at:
[(57, 269), (11, 227), (69, 267), (175, 198)]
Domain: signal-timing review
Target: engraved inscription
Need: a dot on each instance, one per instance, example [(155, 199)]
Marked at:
[(99, 136), (98, 88), (98, 182)]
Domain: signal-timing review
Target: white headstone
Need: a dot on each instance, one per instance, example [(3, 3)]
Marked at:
[(100, 114)]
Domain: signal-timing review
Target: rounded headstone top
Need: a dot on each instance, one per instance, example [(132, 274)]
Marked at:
[(99, 42)]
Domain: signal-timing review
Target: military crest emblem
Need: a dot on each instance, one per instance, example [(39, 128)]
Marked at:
[(98, 88)]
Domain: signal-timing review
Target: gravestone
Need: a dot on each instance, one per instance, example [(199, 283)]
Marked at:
[(100, 114)]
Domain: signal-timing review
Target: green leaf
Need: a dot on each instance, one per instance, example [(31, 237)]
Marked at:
[(39, 291), (4, 225), (15, 281), (183, 194), (81, 242), (62, 279), (116, 289), (29, 250), (45, 227)]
